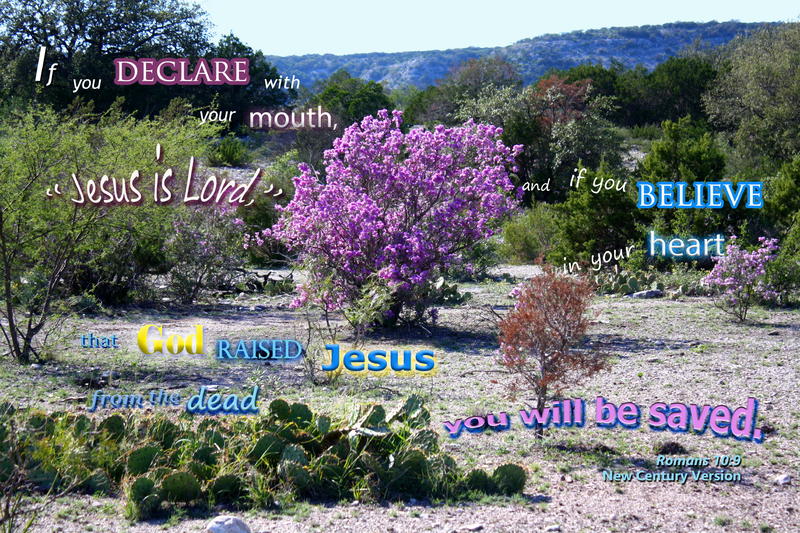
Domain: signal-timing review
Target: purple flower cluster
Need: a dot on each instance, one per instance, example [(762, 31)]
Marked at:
[(401, 205), (739, 274)]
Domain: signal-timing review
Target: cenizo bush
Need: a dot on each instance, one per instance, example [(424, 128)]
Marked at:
[(204, 250), (402, 206), (538, 336), (740, 276)]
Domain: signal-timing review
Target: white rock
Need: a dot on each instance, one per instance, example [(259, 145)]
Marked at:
[(783, 479), (227, 524), (653, 293)]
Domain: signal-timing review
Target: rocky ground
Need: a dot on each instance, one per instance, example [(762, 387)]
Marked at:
[(682, 350)]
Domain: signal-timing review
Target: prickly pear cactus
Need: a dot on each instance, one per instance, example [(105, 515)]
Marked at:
[(140, 459), (180, 487), (509, 478)]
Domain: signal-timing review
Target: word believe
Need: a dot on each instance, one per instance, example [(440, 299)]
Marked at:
[(148, 71), (669, 195), (376, 361), (274, 349), (174, 344)]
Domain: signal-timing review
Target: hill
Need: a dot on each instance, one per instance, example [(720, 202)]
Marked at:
[(645, 45)]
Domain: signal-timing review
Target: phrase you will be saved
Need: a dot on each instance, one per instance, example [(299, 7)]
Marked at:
[(723, 421)]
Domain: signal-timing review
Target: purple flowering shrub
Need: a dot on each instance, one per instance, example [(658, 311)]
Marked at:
[(204, 250), (739, 275), (397, 207)]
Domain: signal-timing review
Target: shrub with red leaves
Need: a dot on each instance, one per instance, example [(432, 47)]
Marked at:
[(538, 337)]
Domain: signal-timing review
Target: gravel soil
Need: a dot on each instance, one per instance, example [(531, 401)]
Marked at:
[(659, 351)]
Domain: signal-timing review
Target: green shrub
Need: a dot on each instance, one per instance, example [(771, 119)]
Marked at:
[(529, 235), (646, 131), (286, 450), (229, 152), (783, 274), (589, 223), (509, 479)]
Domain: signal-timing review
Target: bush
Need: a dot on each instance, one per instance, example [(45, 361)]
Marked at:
[(783, 274), (646, 131), (263, 212), (740, 276), (286, 448), (400, 206), (538, 336), (229, 152), (53, 247), (204, 251), (530, 234), (590, 223)]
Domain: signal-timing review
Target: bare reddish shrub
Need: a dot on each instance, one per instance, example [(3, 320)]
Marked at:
[(538, 337)]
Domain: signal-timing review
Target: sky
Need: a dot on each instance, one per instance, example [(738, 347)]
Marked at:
[(354, 26)]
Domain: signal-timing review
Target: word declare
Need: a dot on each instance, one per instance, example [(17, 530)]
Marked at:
[(172, 71), (711, 194)]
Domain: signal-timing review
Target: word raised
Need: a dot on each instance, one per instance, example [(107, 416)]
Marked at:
[(376, 362), (148, 71), (90, 341), (218, 403), (670, 195), (685, 248), (274, 349), (174, 344)]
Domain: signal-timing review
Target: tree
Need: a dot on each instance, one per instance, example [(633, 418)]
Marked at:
[(51, 247), (348, 100), (244, 97), (84, 37), (686, 151), (439, 104), (538, 337), (395, 209), (557, 125), (588, 223), (755, 98)]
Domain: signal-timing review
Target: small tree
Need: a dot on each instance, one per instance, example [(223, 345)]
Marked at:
[(538, 337), (397, 207), (740, 275)]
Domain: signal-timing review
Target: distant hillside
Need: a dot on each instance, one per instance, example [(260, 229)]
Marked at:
[(645, 45)]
